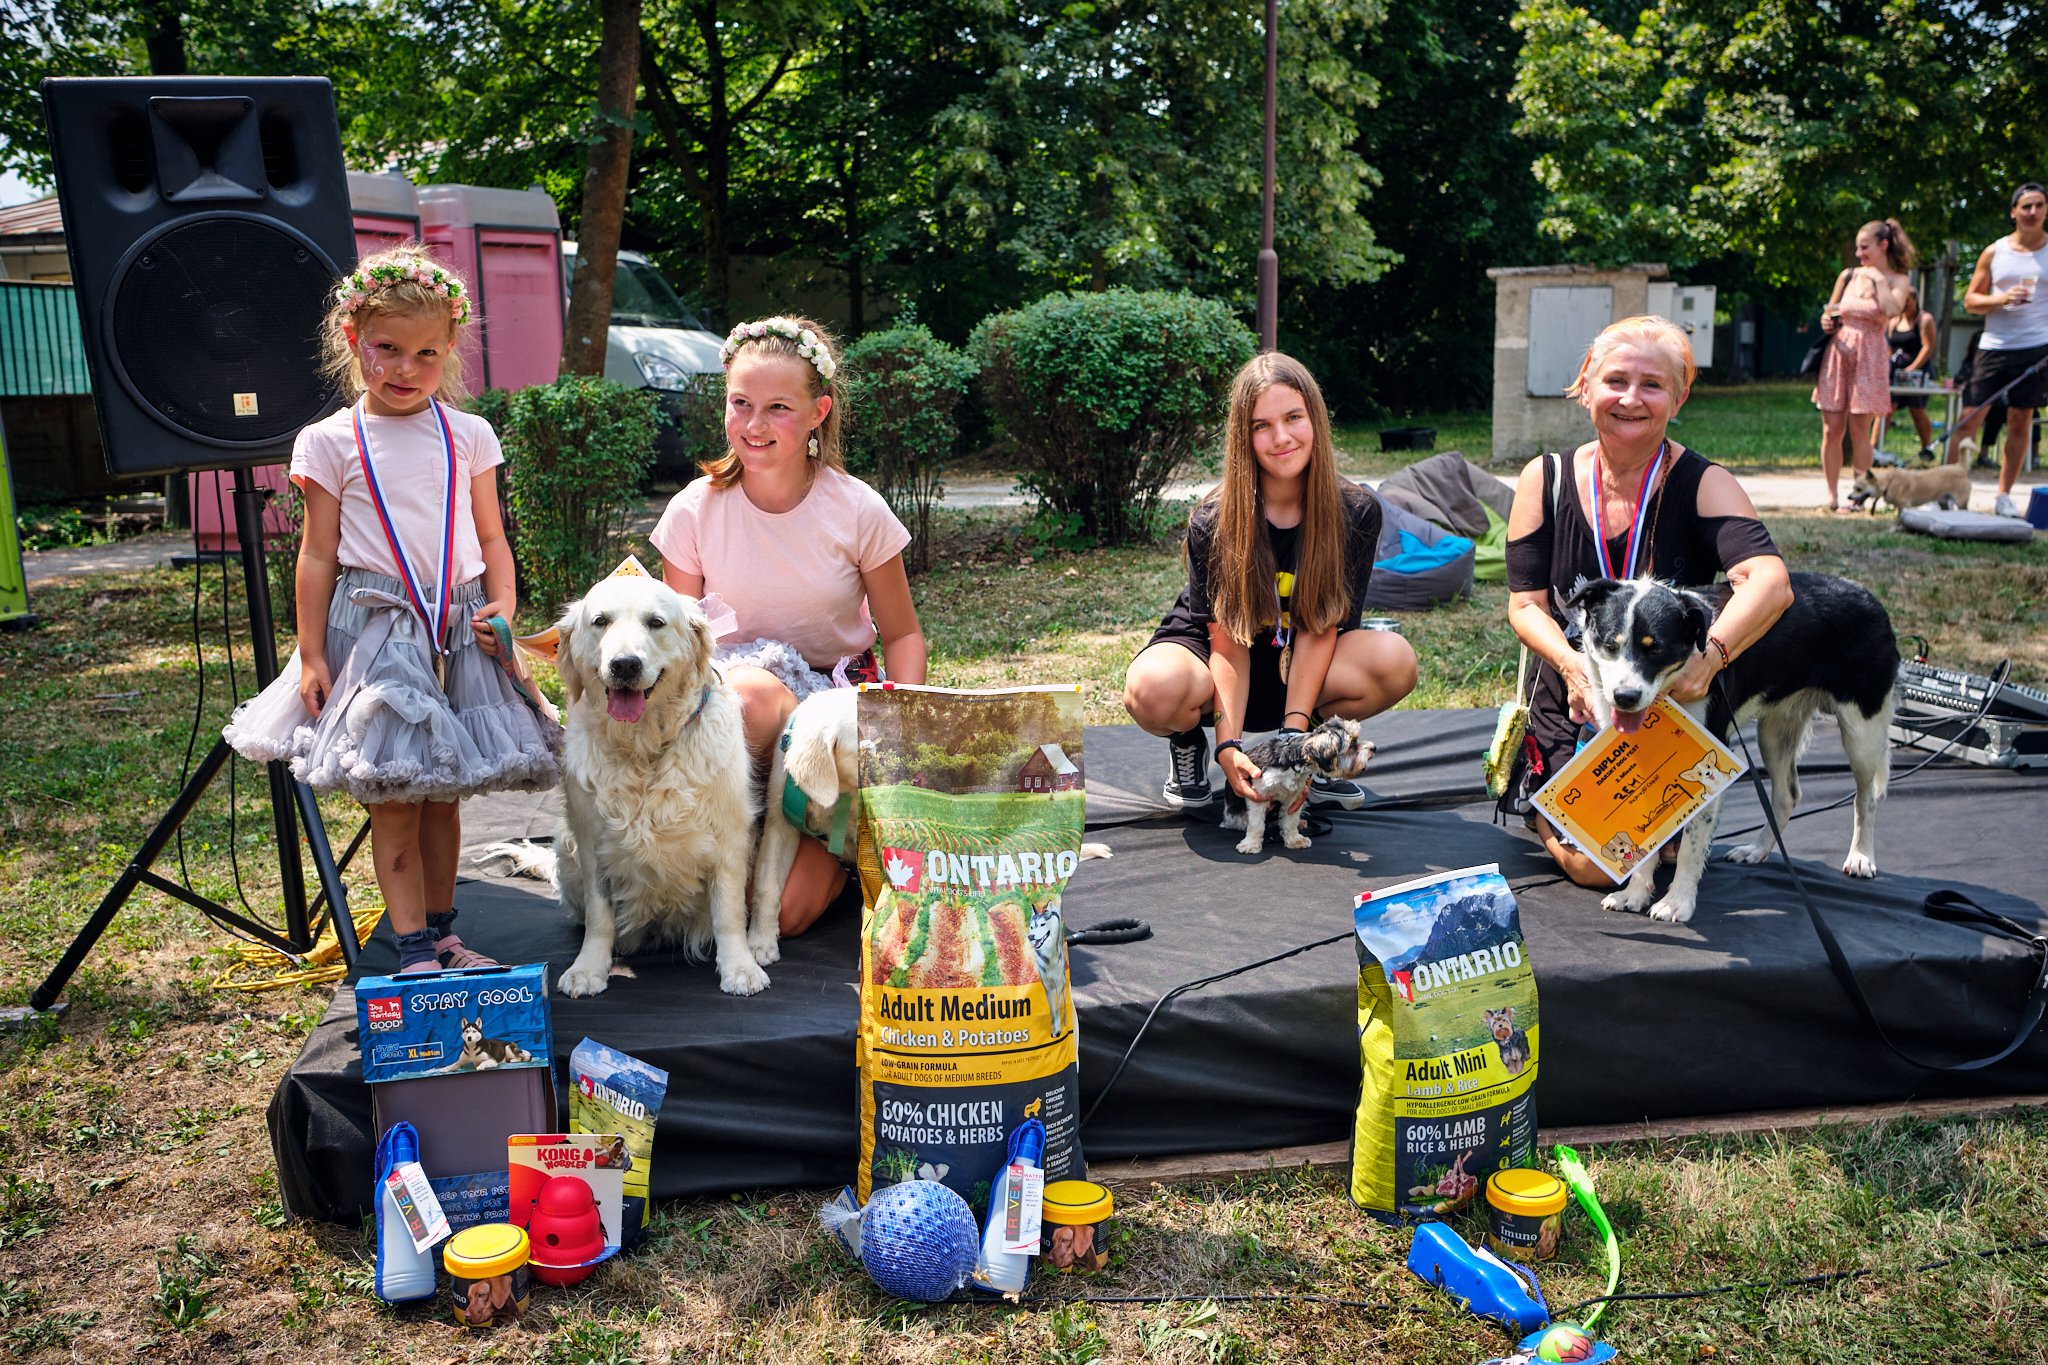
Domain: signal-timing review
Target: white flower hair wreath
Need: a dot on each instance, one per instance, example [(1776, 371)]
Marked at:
[(807, 343)]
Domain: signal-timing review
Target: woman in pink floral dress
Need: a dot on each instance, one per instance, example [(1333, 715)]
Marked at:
[(1855, 371)]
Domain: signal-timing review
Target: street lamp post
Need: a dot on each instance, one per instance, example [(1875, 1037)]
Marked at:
[(1269, 259)]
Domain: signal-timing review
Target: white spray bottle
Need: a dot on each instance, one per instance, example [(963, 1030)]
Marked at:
[(1014, 1200)]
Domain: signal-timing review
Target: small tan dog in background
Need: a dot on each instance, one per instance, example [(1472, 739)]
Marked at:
[(1947, 484)]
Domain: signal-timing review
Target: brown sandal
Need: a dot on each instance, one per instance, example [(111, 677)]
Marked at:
[(455, 954)]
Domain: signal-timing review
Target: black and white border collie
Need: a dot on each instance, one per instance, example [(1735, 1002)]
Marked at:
[(1833, 650)]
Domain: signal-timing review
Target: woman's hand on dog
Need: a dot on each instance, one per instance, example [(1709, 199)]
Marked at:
[(315, 682), (1694, 679), (1578, 695), (1240, 772), (487, 638)]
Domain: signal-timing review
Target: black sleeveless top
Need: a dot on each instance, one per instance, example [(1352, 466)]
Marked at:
[(1680, 546)]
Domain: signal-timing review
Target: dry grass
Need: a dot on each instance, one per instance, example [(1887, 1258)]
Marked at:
[(138, 1212)]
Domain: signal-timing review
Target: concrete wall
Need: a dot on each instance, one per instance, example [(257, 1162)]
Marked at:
[(1526, 424)]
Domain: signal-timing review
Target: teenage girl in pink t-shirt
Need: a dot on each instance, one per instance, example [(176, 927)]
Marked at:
[(809, 558), (395, 694)]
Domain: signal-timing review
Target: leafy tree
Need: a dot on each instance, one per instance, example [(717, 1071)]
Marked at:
[(604, 190)]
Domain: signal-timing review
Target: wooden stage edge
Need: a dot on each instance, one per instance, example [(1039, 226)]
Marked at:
[(1173, 1170)]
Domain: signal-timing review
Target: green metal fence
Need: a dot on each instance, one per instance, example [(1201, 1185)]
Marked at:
[(41, 354)]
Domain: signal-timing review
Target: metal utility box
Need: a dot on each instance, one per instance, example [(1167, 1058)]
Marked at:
[(1544, 318)]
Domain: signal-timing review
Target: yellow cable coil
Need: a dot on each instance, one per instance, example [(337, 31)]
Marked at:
[(321, 965)]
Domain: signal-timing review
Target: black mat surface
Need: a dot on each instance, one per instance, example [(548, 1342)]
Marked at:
[(1735, 1011)]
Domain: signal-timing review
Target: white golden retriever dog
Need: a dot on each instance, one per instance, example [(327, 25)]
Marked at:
[(817, 755), (655, 794)]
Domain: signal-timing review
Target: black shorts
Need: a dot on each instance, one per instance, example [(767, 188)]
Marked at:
[(1995, 369), (1265, 703)]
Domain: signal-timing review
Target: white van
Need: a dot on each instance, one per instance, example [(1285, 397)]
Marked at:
[(654, 342)]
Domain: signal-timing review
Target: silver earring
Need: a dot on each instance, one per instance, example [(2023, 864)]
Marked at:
[(814, 445)]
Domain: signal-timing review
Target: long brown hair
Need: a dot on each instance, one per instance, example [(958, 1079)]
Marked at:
[(725, 470), (1241, 566), (339, 359), (1898, 247)]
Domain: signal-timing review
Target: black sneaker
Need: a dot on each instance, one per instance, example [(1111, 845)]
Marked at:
[(1187, 782), (1927, 455), (1335, 791)]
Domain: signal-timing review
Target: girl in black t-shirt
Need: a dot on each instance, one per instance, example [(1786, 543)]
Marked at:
[(1265, 634)]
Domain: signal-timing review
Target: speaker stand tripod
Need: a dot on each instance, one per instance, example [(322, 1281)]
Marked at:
[(290, 804)]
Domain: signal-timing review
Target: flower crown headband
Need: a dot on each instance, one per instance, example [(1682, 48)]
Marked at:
[(807, 343), (357, 289)]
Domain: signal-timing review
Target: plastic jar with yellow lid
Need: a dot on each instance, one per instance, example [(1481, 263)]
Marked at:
[(489, 1278), (1075, 1225), (1524, 1214)]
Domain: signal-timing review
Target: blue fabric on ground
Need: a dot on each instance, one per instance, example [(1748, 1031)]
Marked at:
[(1417, 557)]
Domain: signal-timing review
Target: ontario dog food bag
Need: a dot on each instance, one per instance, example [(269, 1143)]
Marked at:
[(1447, 1032), (970, 819)]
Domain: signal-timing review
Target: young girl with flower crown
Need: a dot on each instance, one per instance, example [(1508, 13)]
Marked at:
[(809, 558), (398, 693), (1265, 634)]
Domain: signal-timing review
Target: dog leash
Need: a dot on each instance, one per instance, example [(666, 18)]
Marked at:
[(1951, 906)]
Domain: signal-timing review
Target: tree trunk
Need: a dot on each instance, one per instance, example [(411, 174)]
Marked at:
[(604, 190)]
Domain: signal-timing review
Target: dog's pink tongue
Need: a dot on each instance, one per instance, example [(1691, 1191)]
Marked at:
[(1628, 722), (624, 703)]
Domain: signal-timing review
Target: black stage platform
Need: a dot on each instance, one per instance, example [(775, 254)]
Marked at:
[(1735, 1011)]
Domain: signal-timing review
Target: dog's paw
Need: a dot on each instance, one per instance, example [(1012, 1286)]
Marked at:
[(766, 948), (1295, 840), (1748, 853), (1624, 901), (1860, 865), (744, 977), (1672, 910), (1250, 845), (585, 978)]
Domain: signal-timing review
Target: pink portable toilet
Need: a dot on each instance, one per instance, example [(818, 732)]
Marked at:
[(386, 209), (508, 244)]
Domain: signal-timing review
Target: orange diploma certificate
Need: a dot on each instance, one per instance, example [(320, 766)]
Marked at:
[(1623, 796)]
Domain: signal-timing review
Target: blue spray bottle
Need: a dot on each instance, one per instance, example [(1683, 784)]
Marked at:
[(998, 1271)]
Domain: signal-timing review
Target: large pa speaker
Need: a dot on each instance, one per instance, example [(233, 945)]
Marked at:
[(207, 219)]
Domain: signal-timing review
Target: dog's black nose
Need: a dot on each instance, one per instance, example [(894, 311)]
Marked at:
[(1628, 698), (625, 670)]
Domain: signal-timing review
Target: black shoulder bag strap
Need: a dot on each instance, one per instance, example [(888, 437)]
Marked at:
[(1952, 906)]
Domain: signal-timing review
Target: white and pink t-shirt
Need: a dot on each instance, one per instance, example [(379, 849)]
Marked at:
[(409, 460), (793, 576)]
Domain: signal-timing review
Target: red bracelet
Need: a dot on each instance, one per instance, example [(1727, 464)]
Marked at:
[(1719, 648)]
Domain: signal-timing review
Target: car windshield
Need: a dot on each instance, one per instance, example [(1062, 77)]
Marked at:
[(642, 298)]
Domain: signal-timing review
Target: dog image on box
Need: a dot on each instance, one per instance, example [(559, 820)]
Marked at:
[(1833, 650), (1945, 484)]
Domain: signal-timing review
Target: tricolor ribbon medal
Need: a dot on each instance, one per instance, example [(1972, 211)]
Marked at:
[(1635, 531), (433, 616)]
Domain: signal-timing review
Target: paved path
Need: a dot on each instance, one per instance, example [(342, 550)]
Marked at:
[(1797, 491)]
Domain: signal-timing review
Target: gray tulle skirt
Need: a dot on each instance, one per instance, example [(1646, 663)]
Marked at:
[(389, 731)]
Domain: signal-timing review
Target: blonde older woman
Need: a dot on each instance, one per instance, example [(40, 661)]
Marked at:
[(1629, 503)]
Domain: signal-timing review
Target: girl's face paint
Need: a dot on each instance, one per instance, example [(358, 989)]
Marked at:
[(403, 356)]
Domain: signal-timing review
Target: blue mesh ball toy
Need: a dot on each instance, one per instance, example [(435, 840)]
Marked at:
[(918, 1240)]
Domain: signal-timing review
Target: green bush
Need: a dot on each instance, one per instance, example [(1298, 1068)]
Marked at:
[(697, 416), (1106, 396), (576, 451), (904, 388)]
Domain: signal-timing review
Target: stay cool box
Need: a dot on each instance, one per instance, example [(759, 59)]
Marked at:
[(465, 1057), (441, 1023)]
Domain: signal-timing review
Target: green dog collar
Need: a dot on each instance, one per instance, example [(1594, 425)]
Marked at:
[(796, 807)]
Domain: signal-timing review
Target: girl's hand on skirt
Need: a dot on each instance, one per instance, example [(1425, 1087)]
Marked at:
[(314, 683)]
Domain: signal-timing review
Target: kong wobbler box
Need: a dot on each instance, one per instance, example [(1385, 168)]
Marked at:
[(467, 1058)]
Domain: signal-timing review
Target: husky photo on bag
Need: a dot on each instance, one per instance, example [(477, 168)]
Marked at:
[(970, 825)]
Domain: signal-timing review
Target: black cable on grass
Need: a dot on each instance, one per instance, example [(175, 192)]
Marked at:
[(1801, 1281)]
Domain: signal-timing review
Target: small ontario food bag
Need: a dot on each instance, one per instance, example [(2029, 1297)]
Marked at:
[(970, 825), (1447, 1033)]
